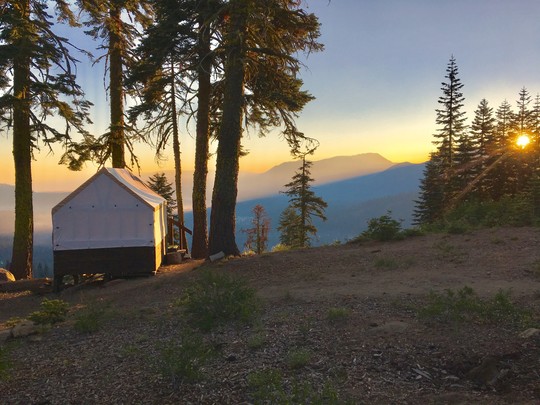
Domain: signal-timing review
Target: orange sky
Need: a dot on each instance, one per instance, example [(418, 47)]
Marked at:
[(376, 83)]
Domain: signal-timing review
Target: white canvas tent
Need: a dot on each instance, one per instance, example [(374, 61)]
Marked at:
[(113, 223)]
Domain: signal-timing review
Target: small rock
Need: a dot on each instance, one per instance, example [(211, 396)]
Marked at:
[(529, 333), (231, 357), (6, 275), (24, 328)]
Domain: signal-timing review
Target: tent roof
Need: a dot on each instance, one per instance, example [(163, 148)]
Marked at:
[(125, 179)]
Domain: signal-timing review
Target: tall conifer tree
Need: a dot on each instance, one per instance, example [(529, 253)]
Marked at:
[(484, 144), (37, 80), (450, 117), (440, 183), (261, 41), (305, 204)]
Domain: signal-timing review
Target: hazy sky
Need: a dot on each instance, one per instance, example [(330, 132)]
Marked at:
[(376, 84)]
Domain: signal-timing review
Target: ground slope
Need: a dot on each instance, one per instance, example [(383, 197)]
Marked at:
[(377, 351)]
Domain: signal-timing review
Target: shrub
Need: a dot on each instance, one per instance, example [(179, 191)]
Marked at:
[(52, 311), (217, 298), (183, 359), (338, 315), (90, 319), (298, 358), (384, 228)]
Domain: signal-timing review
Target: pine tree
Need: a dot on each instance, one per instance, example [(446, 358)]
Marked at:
[(465, 163), (441, 183), (450, 117), (159, 184), (38, 83), (518, 166), (261, 41), (116, 22), (161, 74), (430, 204), (305, 204), (257, 235), (289, 224), (484, 144), (498, 176)]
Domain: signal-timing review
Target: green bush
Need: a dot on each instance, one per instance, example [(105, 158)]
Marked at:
[(52, 311), (183, 359), (298, 358), (217, 298), (384, 228)]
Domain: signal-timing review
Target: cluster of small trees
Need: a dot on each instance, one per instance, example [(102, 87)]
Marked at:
[(482, 161), (226, 64), (296, 221)]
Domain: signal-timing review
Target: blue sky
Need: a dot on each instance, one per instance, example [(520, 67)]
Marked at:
[(377, 82)]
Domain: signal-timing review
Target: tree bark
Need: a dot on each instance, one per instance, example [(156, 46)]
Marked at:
[(223, 216), (199, 245), (116, 89), (21, 259), (177, 165)]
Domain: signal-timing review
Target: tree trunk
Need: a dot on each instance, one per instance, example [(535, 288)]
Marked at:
[(223, 217), (21, 259), (116, 89), (199, 245), (177, 165)]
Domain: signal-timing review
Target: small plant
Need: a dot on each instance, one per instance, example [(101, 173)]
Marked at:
[(386, 263), (183, 359), (91, 319), (218, 298), (270, 387), (5, 363), (52, 311), (338, 315), (267, 386), (280, 247), (298, 358), (256, 341), (384, 228)]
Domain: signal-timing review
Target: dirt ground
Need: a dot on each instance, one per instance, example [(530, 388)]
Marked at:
[(381, 351)]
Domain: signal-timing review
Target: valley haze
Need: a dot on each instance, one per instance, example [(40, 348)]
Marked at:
[(356, 189)]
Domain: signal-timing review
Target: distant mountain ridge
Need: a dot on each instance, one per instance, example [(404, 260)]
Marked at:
[(351, 203)]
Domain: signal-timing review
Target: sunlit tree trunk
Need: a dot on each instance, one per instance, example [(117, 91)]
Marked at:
[(177, 164), (199, 247), (223, 218), (116, 85), (21, 260)]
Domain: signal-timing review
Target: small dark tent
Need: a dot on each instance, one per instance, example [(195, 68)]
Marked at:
[(112, 224)]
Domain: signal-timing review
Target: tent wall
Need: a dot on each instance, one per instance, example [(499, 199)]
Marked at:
[(103, 215)]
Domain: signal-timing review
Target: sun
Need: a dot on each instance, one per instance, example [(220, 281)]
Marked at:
[(523, 141)]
